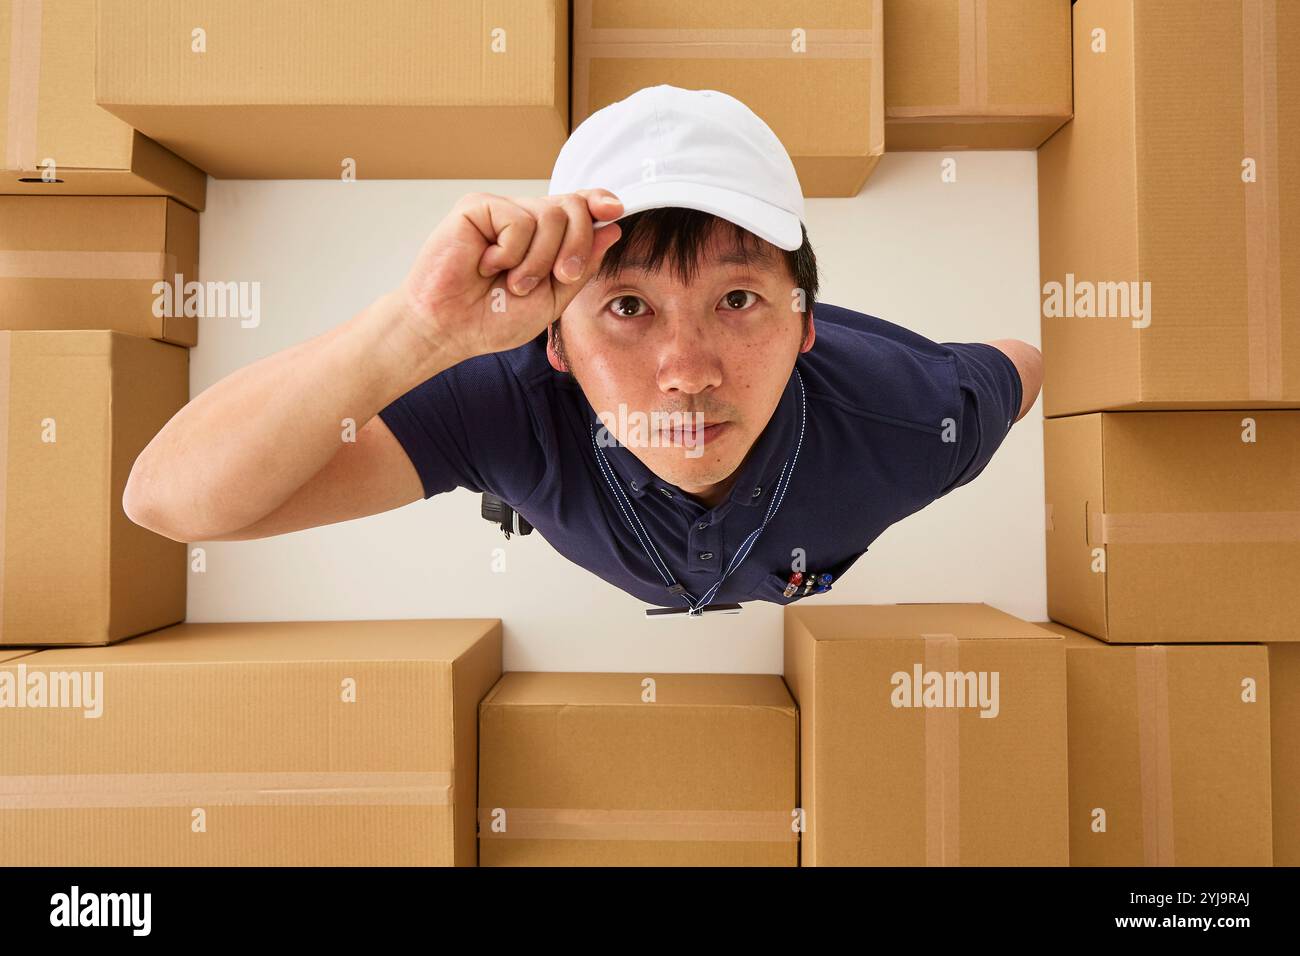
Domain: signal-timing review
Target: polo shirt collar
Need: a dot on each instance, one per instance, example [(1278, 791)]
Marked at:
[(759, 471)]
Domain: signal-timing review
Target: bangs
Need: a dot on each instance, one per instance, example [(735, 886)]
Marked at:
[(675, 239)]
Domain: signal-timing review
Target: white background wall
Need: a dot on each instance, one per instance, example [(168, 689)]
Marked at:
[(952, 261)]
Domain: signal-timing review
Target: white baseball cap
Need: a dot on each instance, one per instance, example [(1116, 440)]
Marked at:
[(701, 149)]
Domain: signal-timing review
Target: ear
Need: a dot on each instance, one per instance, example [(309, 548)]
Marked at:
[(812, 332), (552, 356)]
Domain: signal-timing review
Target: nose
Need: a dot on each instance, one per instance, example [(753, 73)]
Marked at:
[(688, 356)]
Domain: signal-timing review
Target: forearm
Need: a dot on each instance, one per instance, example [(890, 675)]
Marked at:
[(240, 449)]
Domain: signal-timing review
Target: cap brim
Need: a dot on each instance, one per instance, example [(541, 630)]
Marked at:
[(778, 226)]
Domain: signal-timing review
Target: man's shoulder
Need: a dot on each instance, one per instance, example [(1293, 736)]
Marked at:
[(845, 324), (878, 369), (523, 372), (529, 366)]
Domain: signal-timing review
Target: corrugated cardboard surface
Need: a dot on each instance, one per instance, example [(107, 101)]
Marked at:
[(73, 568), (703, 775), (1284, 686), (825, 103), (249, 723), (82, 262), (975, 74), (1169, 753), (927, 785), (1168, 527), (1146, 185), (408, 89), (48, 111)]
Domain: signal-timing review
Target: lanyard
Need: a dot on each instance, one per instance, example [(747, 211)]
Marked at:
[(694, 608)]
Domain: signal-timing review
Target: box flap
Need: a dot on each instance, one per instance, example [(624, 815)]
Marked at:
[(556, 689), (434, 641), (876, 621)]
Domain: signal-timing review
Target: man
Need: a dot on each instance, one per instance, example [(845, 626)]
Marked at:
[(665, 288)]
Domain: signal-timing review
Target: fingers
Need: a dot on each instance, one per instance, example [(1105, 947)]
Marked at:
[(576, 248), (604, 237), (506, 226), (584, 208), (569, 255), (603, 204), (549, 239), (531, 237)]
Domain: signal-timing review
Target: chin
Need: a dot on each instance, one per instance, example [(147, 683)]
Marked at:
[(685, 476)]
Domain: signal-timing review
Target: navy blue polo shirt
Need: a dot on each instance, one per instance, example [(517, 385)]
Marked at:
[(875, 423)]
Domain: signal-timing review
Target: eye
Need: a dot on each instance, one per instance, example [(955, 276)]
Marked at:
[(626, 306), (731, 299)]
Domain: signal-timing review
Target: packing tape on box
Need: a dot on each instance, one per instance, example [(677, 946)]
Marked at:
[(1193, 527), (1155, 770), (972, 104), (24, 83), (54, 264), (705, 826), (713, 44), (1263, 203), (942, 767), (294, 789)]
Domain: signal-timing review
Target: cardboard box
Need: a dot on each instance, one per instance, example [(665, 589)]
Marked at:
[(330, 89), (1169, 753), (1284, 682), (932, 734), (1169, 210), (975, 74), (287, 744), (83, 262), (76, 408), (1173, 527), (48, 113), (815, 76), (637, 770)]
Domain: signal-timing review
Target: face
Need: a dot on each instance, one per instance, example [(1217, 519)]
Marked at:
[(716, 353)]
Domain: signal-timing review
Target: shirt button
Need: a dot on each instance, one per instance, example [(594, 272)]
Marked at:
[(757, 491), (665, 492), (702, 525), (706, 555)]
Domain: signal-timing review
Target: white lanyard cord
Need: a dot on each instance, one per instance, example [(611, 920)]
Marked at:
[(647, 544)]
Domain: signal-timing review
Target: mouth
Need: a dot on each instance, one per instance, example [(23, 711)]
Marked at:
[(691, 437)]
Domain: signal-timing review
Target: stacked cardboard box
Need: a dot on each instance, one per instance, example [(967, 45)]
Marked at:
[(1169, 210), (93, 217), (975, 74), (75, 410), (817, 78), (1171, 343), (95, 262), (393, 89), (931, 734), (54, 138), (288, 744), (1169, 753), (638, 770), (1174, 526), (1284, 683)]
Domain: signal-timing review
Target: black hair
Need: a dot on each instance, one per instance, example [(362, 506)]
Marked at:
[(675, 237)]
